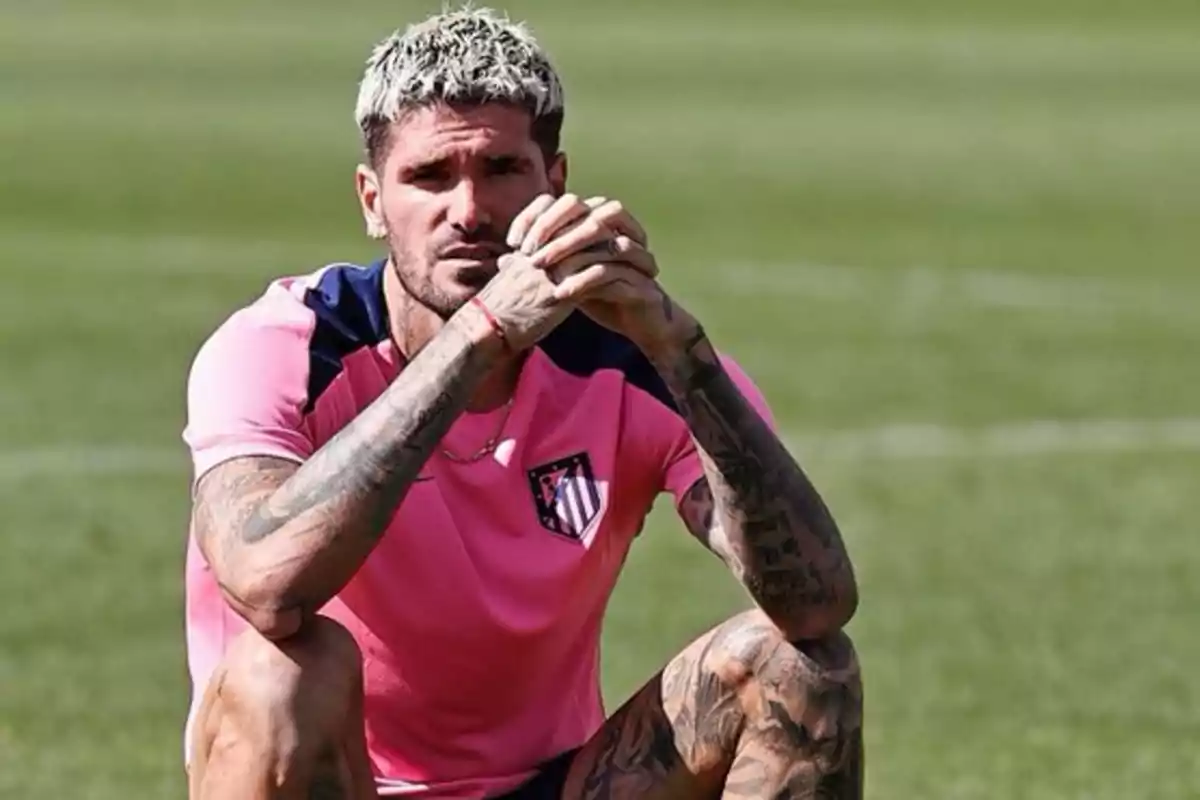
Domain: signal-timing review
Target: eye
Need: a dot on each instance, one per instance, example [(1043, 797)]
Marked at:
[(435, 173), (506, 165)]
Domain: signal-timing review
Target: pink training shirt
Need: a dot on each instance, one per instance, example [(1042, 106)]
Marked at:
[(479, 612)]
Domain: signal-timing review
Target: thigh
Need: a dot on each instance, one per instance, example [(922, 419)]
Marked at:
[(202, 734), (282, 721), (634, 756), (674, 738), (740, 712)]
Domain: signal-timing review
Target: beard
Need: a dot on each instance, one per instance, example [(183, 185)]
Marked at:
[(432, 284), (417, 281)]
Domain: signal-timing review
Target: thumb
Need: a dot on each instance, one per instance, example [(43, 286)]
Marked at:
[(579, 283), (601, 279)]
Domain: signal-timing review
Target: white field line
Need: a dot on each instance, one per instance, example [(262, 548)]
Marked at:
[(919, 288), (80, 461), (1006, 440), (863, 445), (914, 289)]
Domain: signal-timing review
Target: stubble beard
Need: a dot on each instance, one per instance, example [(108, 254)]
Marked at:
[(415, 275)]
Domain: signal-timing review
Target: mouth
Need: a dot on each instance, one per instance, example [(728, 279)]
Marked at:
[(473, 252)]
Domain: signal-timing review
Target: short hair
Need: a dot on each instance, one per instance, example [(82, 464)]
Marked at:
[(467, 56)]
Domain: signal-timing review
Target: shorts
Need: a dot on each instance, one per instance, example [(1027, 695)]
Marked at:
[(549, 781)]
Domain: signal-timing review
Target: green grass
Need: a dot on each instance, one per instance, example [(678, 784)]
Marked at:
[(959, 214)]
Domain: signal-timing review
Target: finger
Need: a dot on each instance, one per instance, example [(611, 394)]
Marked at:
[(614, 216), (607, 217), (564, 211), (627, 251), (521, 223), (579, 282), (616, 250), (580, 235), (584, 272), (576, 263), (597, 280), (621, 251)]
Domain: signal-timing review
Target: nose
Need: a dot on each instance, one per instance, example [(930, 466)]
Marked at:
[(467, 209)]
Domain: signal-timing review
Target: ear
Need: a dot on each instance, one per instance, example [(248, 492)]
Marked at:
[(366, 185), (557, 173)]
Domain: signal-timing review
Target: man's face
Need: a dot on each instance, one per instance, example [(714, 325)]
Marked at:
[(446, 191)]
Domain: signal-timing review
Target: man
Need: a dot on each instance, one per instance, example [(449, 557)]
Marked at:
[(416, 483)]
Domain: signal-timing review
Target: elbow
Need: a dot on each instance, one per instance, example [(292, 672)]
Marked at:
[(276, 624), (816, 624), (847, 596), (262, 604), (844, 609), (815, 621)]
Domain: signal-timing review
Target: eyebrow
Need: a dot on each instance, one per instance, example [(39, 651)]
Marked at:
[(435, 161), (514, 158), (417, 166)]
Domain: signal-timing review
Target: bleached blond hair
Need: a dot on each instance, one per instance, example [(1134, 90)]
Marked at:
[(469, 55)]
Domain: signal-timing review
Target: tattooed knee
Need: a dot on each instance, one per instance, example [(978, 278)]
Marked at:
[(801, 692), (749, 646), (767, 712)]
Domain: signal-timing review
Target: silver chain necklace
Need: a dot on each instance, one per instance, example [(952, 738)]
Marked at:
[(488, 446)]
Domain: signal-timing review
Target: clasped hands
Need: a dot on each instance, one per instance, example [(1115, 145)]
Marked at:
[(589, 254)]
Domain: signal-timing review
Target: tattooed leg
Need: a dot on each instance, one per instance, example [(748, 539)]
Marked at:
[(283, 721), (741, 713), (803, 733)]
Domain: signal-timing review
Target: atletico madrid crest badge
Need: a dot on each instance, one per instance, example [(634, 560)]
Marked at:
[(566, 495)]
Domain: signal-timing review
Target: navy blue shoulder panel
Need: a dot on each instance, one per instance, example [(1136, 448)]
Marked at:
[(351, 314), (583, 347)]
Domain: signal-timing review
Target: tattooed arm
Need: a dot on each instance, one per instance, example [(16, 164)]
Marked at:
[(282, 539), (755, 508)]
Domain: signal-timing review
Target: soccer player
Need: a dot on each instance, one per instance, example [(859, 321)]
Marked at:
[(416, 483)]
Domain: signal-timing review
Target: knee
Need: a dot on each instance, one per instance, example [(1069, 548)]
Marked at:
[(285, 699), (750, 647), (817, 684), (269, 673)]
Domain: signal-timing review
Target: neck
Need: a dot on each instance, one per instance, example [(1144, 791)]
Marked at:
[(414, 325)]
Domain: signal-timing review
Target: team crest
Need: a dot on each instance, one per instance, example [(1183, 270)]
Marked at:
[(566, 495)]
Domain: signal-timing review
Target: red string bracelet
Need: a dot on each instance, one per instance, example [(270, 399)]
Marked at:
[(490, 317)]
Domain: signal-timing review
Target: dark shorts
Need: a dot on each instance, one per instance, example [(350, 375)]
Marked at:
[(548, 783)]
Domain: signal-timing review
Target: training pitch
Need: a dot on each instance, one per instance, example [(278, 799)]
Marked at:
[(953, 242)]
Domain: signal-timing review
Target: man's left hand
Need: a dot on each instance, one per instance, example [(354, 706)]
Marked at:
[(622, 293)]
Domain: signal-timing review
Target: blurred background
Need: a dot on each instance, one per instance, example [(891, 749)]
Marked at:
[(954, 241)]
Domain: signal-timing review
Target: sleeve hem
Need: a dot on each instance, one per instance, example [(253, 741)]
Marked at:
[(689, 479), (208, 460)]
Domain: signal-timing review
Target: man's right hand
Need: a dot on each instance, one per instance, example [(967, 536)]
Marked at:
[(521, 296)]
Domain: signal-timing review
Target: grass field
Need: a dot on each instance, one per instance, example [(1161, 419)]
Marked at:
[(955, 243)]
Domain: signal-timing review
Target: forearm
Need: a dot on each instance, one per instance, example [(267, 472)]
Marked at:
[(307, 540), (768, 523)]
